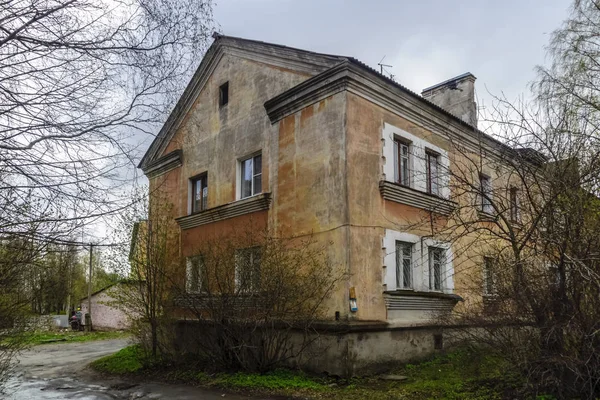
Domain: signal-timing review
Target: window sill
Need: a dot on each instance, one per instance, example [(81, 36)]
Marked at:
[(415, 198), (485, 216), (247, 205), (416, 293), (410, 300)]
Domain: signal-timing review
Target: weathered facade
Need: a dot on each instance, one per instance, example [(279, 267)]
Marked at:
[(338, 151)]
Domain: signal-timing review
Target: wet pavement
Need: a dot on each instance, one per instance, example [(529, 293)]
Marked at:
[(57, 371)]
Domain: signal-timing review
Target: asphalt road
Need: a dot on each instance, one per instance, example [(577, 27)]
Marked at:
[(57, 371)]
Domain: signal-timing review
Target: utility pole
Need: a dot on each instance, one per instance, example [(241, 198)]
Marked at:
[(88, 322)]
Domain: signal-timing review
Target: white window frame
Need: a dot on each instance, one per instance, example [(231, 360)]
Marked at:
[(441, 268), (420, 261), (418, 148), (401, 256), (432, 176), (240, 175), (402, 161)]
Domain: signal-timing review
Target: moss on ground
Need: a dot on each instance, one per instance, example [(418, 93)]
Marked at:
[(461, 374)]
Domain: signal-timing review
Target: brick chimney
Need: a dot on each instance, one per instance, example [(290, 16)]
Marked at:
[(457, 96)]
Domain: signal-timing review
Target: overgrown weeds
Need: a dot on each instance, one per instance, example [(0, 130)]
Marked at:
[(460, 374)]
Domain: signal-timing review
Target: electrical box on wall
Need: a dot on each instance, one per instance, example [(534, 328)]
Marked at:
[(353, 302)]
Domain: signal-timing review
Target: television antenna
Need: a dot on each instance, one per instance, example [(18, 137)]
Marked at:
[(383, 70)]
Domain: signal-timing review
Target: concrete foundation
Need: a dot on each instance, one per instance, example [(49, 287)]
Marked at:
[(346, 350)]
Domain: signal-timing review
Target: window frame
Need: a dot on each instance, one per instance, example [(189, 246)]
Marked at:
[(255, 261), (402, 161), (432, 250), (401, 277), (199, 284), (203, 180), (489, 281), (485, 194), (253, 190), (514, 205), (429, 156), (224, 94)]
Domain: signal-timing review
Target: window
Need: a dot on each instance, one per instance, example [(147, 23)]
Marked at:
[(515, 212), (247, 269), (489, 281), (251, 174), (432, 173), (196, 275), (402, 155), (436, 263), (485, 187), (224, 94), (404, 265), (199, 193)]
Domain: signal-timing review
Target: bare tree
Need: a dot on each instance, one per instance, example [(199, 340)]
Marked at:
[(80, 80), (149, 260), (525, 222)]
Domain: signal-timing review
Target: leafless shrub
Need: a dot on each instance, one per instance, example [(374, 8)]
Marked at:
[(256, 298)]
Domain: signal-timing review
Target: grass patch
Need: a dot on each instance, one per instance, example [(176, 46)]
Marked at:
[(125, 361), (277, 380), (461, 374), (37, 338)]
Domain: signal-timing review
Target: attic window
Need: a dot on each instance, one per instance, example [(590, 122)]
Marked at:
[(224, 94)]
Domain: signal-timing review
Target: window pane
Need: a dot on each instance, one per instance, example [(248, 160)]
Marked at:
[(486, 191), (204, 197), (396, 162), (197, 196), (257, 184), (407, 283), (435, 268), (398, 265), (434, 175), (246, 178), (194, 276), (403, 265), (248, 269), (404, 165), (257, 165)]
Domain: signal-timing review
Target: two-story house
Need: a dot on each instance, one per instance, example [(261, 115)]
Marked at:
[(308, 143)]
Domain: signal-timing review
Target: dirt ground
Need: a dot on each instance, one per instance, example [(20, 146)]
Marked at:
[(57, 371)]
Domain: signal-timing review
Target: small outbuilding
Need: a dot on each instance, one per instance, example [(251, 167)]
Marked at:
[(108, 311)]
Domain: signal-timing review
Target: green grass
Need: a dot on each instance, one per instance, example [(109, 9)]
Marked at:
[(37, 338), (125, 361), (278, 380), (461, 374)]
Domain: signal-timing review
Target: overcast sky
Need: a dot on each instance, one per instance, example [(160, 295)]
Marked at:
[(426, 41)]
